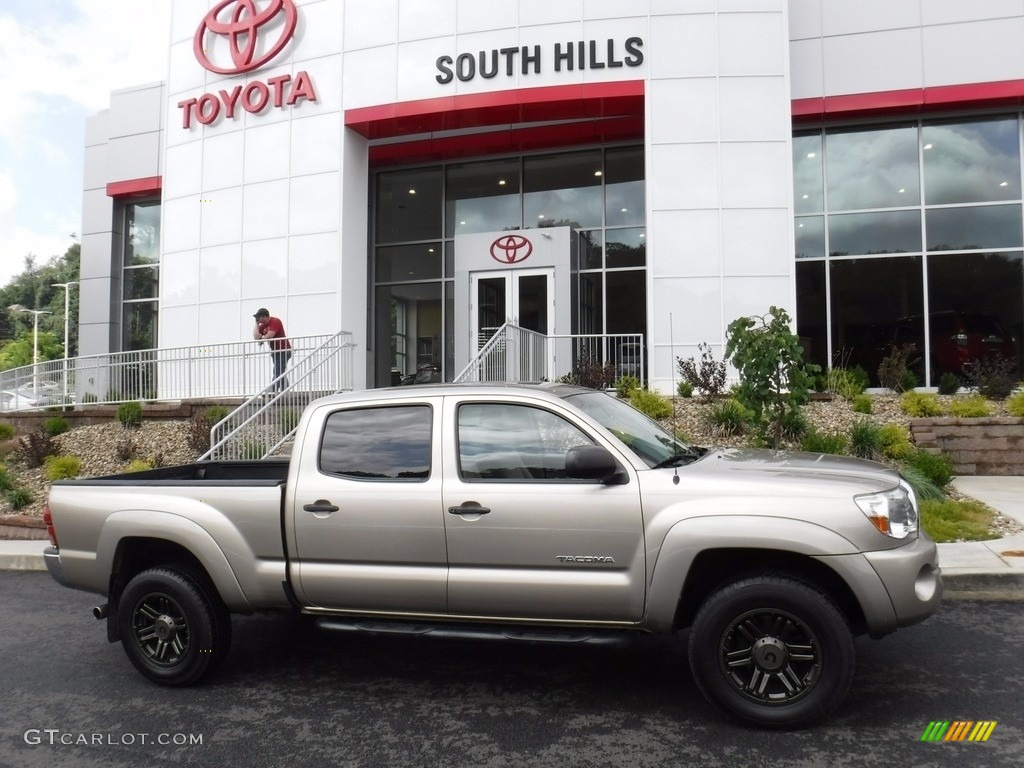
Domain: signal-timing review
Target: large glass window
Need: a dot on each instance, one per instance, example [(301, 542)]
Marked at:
[(600, 192), (563, 190), (482, 197), (407, 206), (140, 276), (946, 196)]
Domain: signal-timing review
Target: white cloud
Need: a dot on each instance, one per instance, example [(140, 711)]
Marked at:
[(59, 61)]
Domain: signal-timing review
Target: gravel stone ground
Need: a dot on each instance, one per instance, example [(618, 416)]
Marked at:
[(100, 448)]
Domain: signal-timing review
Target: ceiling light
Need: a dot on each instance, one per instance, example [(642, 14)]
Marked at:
[(902, 191), (812, 154), (412, 191), (1004, 184), (501, 182), (625, 210), (806, 197), (541, 216), (927, 146), (598, 173)]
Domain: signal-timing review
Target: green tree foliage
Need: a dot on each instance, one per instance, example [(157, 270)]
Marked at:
[(774, 379), (34, 288)]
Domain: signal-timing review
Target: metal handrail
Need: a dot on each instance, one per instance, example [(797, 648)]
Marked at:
[(265, 422), (236, 369), (516, 354)]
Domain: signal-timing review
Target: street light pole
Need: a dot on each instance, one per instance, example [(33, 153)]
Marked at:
[(67, 312), (35, 340)]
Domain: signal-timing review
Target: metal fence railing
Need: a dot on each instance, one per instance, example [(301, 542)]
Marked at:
[(267, 421), (236, 369), (515, 354)]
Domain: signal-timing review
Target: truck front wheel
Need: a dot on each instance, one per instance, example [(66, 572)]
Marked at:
[(173, 625), (772, 651)]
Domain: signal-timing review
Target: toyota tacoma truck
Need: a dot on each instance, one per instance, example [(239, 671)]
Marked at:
[(537, 513)]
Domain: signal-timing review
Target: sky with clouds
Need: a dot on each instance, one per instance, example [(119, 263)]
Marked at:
[(59, 61)]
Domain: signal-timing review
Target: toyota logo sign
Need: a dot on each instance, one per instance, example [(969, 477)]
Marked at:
[(242, 27), (511, 249)]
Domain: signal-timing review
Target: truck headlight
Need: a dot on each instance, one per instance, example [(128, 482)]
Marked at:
[(893, 512)]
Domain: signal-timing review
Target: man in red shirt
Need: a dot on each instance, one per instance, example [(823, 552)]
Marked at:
[(271, 330)]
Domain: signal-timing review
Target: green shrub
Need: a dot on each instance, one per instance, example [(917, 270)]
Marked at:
[(35, 447), (936, 467), (866, 439), (684, 389), (139, 465), (949, 384), (6, 431), (827, 442), (130, 414), (1015, 405), (6, 481), (895, 441), (992, 376), (794, 425), (707, 376), (971, 407), (893, 367), (951, 520), (774, 379), (56, 425), (651, 403), (847, 382), (19, 498), (923, 486), (216, 413), (863, 404), (62, 467), (907, 381), (590, 372), (728, 417), (919, 404), (624, 386), (90, 397)]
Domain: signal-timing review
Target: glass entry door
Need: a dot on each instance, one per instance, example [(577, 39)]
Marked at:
[(524, 297)]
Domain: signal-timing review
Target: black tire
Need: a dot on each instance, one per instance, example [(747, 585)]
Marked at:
[(772, 651), (173, 625)]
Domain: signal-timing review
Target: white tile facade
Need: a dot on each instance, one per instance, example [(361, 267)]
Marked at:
[(271, 209)]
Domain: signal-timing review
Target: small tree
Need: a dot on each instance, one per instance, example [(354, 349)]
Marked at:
[(774, 379)]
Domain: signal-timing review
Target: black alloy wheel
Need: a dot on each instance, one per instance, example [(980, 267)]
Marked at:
[(174, 627), (772, 651)]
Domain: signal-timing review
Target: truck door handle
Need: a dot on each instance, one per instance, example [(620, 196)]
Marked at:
[(320, 505), (469, 508)]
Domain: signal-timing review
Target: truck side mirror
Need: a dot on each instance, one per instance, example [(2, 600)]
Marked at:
[(592, 462)]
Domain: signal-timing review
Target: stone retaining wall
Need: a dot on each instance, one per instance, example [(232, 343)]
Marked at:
[(85, 415), (986, 446)]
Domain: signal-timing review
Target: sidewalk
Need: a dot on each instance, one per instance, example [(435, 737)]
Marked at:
[(982, 570)]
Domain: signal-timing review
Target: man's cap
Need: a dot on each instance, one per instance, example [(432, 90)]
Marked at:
[(261, 312)]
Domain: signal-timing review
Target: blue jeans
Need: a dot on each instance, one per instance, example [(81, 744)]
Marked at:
[(280, 359)]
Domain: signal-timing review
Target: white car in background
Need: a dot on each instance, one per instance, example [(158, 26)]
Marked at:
[(19, 400)]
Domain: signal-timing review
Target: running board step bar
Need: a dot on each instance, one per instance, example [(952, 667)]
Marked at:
[(480, 632)]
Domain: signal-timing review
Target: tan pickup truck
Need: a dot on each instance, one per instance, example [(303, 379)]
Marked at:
[(531, 513)]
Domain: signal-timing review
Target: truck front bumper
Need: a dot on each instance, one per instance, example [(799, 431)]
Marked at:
[(912, 577)]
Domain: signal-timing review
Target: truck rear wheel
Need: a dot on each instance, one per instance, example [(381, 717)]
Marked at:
[(173, 625), (772, 651)]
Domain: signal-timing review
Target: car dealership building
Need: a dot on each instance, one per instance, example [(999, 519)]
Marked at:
[(418, 172)]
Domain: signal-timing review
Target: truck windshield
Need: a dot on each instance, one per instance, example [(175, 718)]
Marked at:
[(642, 435)]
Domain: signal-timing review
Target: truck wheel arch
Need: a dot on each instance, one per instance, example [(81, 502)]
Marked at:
[(699, 555), (172, 540)]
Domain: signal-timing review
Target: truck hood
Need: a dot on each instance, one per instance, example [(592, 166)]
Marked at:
[(846, 474)]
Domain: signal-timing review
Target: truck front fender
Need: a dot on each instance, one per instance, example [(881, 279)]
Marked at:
[(163, 526), (673, 559)]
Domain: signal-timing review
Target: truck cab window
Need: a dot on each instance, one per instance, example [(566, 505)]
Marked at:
[(501, 441), (388, 443)]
